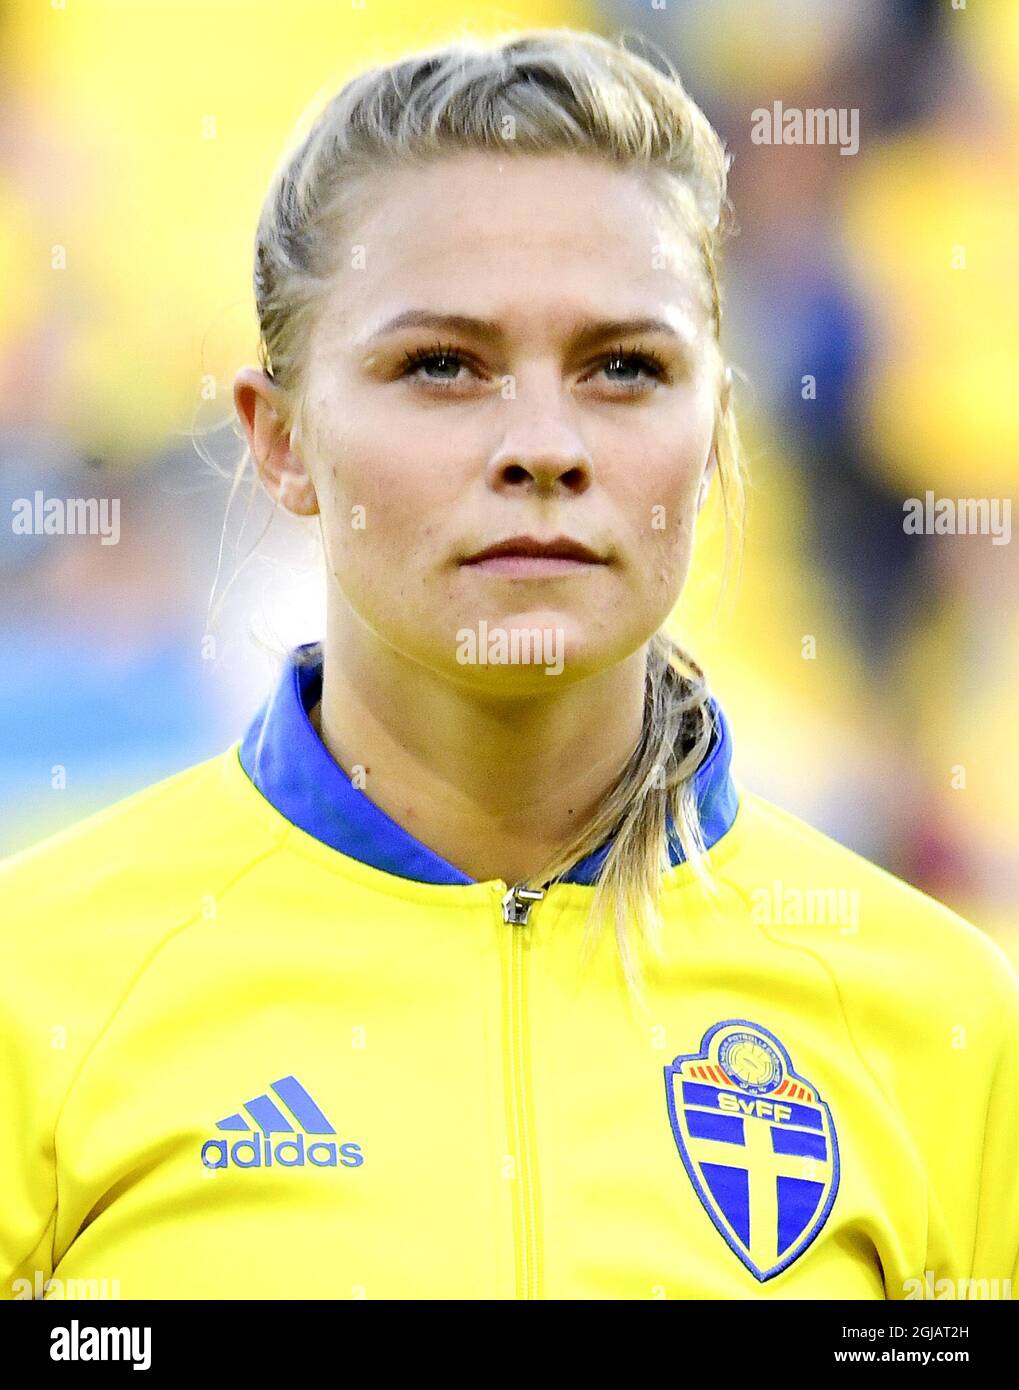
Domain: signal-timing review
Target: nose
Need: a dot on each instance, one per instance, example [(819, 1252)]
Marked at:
[(543, 455)]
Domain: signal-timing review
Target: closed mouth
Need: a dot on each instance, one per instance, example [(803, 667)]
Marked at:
[(529, 547)]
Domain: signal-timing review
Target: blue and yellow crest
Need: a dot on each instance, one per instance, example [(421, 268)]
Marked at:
[(758, 1143)]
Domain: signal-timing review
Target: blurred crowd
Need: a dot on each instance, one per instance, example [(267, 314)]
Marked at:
[(870, 300)]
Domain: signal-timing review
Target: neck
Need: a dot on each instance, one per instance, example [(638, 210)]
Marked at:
[(494, 786)]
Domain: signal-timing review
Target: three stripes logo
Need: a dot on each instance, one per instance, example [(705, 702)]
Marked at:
[(265, 1116)]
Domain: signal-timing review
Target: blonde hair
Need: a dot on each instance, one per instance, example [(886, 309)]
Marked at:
[(542, 91)]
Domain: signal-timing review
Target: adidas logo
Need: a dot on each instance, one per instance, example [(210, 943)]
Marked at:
[(266, 1116)]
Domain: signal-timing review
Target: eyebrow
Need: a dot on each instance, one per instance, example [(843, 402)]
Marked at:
[(487, 330)]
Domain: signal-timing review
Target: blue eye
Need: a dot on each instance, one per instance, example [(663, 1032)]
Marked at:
[(424, 357), (635, 361), (441, 363)]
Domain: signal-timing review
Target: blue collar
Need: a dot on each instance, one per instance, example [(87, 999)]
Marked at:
[(291, 767)]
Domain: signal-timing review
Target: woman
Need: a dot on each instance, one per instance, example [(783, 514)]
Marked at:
[(336, 1014)]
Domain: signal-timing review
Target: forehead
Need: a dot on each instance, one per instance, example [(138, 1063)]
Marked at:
[(526, 232)]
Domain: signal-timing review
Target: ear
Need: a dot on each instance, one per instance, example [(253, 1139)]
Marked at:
[(261, 408), (724, 399), (725, 393), (706, 476)]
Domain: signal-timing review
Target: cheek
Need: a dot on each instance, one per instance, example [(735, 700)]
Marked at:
[(675, 506), (669, 547), (662, 498), (664, 507), (371, 508), (382, 521)]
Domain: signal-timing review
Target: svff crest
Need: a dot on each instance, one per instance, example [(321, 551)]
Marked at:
[(757, 1141)]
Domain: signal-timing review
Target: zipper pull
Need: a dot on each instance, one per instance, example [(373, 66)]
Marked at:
[(517, 904)]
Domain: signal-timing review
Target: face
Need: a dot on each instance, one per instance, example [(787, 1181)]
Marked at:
[(523, 350)]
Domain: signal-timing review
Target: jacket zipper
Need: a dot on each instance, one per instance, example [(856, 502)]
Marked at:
[(516, 904)]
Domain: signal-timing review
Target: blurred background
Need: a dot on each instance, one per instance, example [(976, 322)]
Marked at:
[(871, 302)]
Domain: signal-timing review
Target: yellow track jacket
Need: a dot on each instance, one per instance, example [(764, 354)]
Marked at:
[(256, 1041)]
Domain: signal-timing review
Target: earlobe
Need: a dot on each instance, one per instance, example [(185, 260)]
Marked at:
[(296, 491)]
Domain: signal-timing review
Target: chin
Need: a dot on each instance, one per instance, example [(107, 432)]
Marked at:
[(527, 653)]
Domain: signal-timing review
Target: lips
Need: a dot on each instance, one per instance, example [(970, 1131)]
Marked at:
[(530, 547)]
